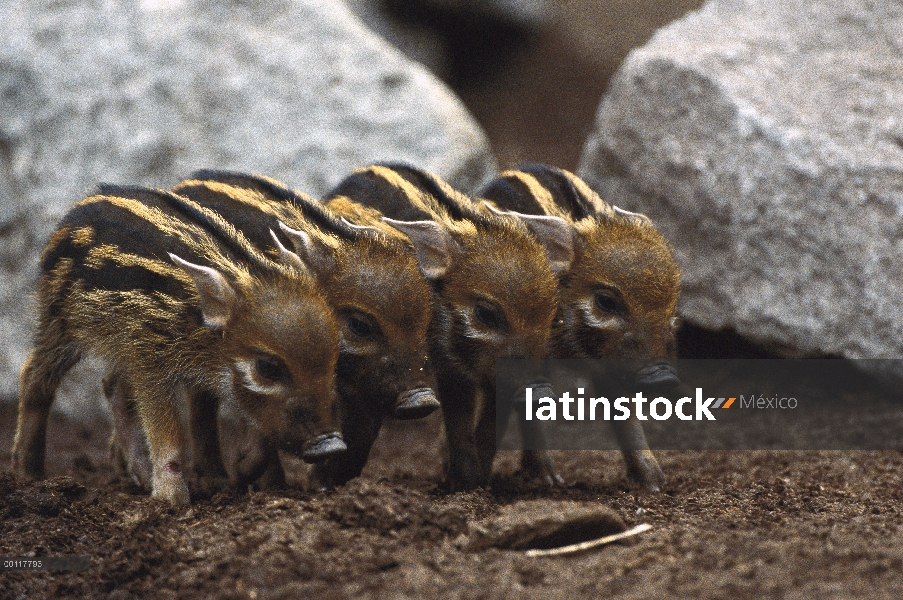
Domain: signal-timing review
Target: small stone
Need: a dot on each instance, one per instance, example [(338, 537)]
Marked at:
[(543, 524)]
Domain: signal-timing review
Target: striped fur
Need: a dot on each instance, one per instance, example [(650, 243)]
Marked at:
[(619, 299), (495, 300), (179, 303), (372, 281)]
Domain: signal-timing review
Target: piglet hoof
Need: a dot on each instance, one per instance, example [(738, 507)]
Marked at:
[(464, 475), (208, 485), (274, 476), (553, 480), (332, 473), (170, 486), (28, 466), (320, 480), (459, 484), (537, 464), (323, 447), (139, 471), (415, 404), (643, 470), (117, 459), (16, 466)]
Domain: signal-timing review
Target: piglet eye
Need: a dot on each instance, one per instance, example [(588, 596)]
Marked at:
[(607, 302), (360, 327), (272, 369), (488, 315)]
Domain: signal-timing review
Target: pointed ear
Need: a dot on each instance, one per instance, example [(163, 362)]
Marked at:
[(287, 256), (627, 213), (358, 227), (431, 242), (554, 233), (217, 296), (493, 209), (307, 250)]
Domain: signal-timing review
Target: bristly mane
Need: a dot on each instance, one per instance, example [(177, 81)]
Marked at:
[(312, 210), (218, 228), (458, 205)]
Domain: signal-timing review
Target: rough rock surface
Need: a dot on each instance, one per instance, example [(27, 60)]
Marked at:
[(766, 140), (420, 44), (145, 92)]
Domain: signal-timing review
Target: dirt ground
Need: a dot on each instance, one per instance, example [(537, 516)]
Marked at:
[(753, 524)]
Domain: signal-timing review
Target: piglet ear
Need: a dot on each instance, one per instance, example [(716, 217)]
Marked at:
[(431, 242), (287, 256), (311, 254), (556, 236), (632, 215), (358, 227), (493, 209), (554, 233), (217, 296)]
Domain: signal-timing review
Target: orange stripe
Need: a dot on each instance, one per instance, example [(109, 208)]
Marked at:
[(728, 403)]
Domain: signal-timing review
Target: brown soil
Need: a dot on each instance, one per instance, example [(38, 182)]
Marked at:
[(728, 525)]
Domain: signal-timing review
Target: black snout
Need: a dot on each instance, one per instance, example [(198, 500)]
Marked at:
[(659, 376), (322, 447), (415, 404)]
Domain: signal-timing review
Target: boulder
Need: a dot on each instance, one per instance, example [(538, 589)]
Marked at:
[(417, 42), (766, 141), (146, 92)]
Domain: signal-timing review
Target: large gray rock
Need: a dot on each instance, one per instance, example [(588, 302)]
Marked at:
[(766, 140), (146, 92), (420, 44)]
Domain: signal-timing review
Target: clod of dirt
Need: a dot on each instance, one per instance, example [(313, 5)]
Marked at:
[(541, 524), (385, 509), (44, 498)]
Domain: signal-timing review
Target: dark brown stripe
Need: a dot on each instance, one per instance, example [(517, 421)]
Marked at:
[(314, 211)]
